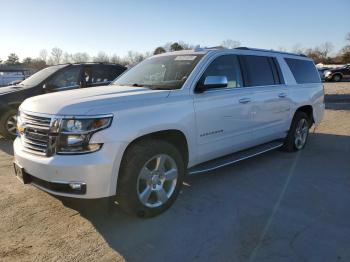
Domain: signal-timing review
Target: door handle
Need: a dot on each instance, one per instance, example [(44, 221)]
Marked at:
[(244, 100), (282, 95)]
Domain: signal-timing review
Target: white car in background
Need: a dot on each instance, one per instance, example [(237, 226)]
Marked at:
[(172, 114)]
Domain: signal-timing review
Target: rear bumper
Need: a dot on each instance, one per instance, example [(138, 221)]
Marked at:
[(96, 172)]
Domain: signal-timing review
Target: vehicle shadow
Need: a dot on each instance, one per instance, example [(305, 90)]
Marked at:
[(225, 215), (6, 146)]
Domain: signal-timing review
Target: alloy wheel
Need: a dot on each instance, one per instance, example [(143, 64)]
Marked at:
[(301, 133), (157, 180), (11, 124)]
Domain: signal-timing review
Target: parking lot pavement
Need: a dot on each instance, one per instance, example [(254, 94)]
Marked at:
[(274, 207)]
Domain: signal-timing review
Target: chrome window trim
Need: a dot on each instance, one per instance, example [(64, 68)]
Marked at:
[(262, 88)]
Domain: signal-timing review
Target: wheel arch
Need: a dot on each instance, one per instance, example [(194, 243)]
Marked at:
[(174, 136), (308, 110)]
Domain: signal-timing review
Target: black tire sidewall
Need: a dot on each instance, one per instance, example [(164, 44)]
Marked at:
[(3, 123), (289, 144), (334, 78), (132, 162)]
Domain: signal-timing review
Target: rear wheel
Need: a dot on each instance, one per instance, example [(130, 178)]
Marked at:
[(8, 124), (150, 178), (298, 133)]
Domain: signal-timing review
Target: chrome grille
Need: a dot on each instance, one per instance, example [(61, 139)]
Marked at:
[(35, 137)]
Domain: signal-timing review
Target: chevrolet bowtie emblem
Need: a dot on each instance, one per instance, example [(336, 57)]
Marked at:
[(20, 129)]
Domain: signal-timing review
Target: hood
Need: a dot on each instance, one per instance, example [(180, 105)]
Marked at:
[(9, 89), (91, 100)]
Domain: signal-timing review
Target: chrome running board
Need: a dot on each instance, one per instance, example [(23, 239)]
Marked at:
[(234, 158)]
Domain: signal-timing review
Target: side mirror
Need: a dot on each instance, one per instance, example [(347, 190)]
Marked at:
[(212, 82)]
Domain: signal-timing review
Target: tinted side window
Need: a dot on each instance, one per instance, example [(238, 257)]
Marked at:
[(114, 72), (304, 71), (226, 65), (101, 74), (68, 77), (259, 70)]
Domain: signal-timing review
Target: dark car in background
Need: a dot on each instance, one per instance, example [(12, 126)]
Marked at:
[(337, 74), (52, 79)]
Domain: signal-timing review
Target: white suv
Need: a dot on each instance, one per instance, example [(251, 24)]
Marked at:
[(172, 114)]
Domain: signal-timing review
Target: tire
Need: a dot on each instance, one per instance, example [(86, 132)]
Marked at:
[(152, 191), (336, 78), (8, 124), (299, 129)]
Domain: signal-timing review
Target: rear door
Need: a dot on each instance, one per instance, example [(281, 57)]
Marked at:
[(270, 102), (223, 115)]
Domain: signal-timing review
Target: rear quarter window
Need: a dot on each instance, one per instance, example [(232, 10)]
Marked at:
[(304, 71)]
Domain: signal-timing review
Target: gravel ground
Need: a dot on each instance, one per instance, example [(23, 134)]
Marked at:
[(275, 207)]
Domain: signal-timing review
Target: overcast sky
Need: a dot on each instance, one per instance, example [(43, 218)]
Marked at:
[(116, 27)]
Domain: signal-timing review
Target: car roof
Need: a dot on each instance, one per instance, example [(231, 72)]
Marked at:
[(89, 63), (238, 50)]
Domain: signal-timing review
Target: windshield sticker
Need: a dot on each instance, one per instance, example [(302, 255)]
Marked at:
[(185, 58)]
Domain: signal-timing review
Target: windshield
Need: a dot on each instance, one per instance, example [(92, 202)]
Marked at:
[(40, 76), (162, 72)]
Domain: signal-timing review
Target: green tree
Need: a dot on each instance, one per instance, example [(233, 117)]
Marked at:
[(176, 47), (27, 61), (159, 50), (12, 59)]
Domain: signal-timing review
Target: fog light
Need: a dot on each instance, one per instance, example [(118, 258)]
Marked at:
[(75, 186)]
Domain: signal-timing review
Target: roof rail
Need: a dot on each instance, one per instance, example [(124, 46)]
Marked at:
[(198, 48), (266, 50)]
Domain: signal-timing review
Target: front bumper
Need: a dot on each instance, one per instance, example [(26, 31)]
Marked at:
[(98, 171)]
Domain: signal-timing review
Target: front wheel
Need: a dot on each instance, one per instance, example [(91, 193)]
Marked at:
[(8, 124), (336, 78), (150, 178), (298, 133)]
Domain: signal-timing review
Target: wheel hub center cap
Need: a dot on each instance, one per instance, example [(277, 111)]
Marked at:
[(155, 179)]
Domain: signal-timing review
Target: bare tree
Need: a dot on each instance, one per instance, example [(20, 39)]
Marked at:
[(56, 55), (101, 57), (134, 57), (325, 49), (115, 59), (66, 58), (282, 49), (80, 57), (43, 54), (229, 43), (315, 54), (298, 49)]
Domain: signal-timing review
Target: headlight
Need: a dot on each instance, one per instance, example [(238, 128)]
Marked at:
[(327, 73), (74, 135)]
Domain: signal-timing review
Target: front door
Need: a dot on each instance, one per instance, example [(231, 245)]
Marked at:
[(223, 115), (66, 79)]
